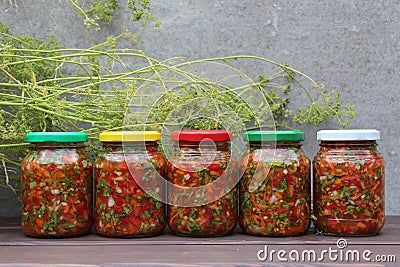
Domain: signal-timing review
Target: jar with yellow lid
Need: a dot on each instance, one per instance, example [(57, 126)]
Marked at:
[(130, 162)]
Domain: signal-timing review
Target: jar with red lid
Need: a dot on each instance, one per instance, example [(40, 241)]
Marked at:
[(275, 188), (56, 185), (129, 185), (203, 199), (349, 183)]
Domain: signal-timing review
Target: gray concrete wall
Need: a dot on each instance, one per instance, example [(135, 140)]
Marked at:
[(351, 46)]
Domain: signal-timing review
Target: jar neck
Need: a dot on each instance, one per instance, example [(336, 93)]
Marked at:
[(280, 144), (119, 147), (58, 145), (203, 146), (348, 144)]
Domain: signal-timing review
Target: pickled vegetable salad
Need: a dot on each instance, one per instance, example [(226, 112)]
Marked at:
[(123, 208), (216, 218), (349, 190), (280, 205), (57, 193)]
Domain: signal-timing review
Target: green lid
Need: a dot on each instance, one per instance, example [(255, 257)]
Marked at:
[(272, 136), (65, 137)]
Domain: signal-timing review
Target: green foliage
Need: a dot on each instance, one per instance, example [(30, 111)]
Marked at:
[(186, 102), (20, 118), (140, 9), (326, 107), (104, 11), (278, 100), (17, 48)]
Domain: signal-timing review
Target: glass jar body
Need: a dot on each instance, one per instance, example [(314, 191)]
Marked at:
[(122, 207), (349, 188), (56, 190), (275, 190), (211, 208)]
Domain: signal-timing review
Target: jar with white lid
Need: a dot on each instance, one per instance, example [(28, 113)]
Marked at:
[(349, 183)]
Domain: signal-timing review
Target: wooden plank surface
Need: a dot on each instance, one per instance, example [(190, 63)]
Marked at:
[(169, 250)]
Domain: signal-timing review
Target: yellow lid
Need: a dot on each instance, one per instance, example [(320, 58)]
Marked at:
[(129, 136)]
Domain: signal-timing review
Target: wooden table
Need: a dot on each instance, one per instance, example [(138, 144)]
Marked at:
[(169, 250)]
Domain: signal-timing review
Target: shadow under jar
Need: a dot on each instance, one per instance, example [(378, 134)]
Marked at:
[(275, 189), (56, 185), (349, 183), (203, 196), (129, 185)]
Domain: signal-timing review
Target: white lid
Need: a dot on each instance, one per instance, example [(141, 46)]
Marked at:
[(348, 135)]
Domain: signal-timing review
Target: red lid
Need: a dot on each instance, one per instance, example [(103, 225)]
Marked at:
[(199, 135)]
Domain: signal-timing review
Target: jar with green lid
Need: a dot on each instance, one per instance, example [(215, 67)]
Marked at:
[(349, 183), (128, 189), (201, 164), (56, 185), (275, 192)]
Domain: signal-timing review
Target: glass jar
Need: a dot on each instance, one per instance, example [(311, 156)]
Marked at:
[(56, 185), (127, 185), (275, 189), (209, 206), (349, 183)]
